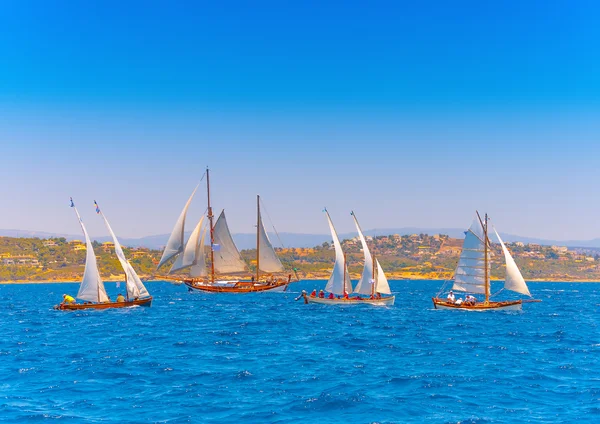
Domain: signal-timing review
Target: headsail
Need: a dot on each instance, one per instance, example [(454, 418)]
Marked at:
[(198, 268), (381, 282), (337, 284), (470, 273), (135, 287), (514, 280), (364, 284), (92, 288), (188, 257), (226, 255), (175, 244), (268, 260)]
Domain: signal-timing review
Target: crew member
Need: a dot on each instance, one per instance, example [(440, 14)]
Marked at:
[(120, 298), (68, 299)]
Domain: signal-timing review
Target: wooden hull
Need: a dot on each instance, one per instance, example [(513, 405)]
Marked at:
[(513, 305), (127, 304), (237, 287), (384, 301)]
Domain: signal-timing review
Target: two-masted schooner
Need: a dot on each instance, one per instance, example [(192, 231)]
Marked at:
[(225, 258), (372, 284), (472, 275), (92, 291)]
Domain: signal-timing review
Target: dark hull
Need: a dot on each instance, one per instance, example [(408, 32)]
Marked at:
[(127, 304)]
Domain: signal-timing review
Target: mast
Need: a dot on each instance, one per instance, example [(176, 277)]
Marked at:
[(373, 285), (257, 235), (345, 275), (212, 234), (485, 258)]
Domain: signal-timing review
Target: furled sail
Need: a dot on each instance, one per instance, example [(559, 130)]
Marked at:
[(382, 285), (364, 284), (226, 255), (470, 273), (268, 260), (187, 258), (92, 288), (514, 280), (198, 268), (175, 244), (337, 284), (135, 287)]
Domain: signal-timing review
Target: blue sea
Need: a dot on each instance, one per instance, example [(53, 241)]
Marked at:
[(265, 358)]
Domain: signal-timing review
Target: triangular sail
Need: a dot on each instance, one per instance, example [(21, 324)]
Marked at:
[(135, 287), (381, 282), (187, 258), (514, 280), (176, 239), (337, 284), (268, 260), (91, 288), (470, 273), (226, 255), (198, 268), (364, 284)]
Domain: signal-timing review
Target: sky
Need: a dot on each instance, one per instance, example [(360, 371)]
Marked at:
[(409, 113)]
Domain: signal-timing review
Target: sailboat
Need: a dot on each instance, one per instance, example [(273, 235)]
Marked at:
[(92, 290), (373, 282), (472, 274), (225, 258)]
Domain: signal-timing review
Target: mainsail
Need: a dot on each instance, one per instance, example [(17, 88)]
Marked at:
[(198, 268), (267, 258), (364, 284), (514, 280), (175, 244), (337, 284), (470, 273), (226, 255), (135, 287), (190, 253), (92, 288), (381, 282)]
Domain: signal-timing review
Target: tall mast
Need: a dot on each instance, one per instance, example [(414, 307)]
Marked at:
[(373, 277), (484, 226), (212, 233), (257, 235), (345, 275)]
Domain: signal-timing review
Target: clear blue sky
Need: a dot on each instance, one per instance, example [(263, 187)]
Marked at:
[(410, 113)]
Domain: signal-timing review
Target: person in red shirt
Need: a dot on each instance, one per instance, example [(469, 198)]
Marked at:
[(314, 293)]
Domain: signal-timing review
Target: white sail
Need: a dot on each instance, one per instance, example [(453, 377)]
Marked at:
[(226, 255), (268, 260), (382, 285), (135, 287), (175, 244), (337, 284), (198, 268), (514, 280), (187, 258), (92, 288), (364, 284), (470, 273)]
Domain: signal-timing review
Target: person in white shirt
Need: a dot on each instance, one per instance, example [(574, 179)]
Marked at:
[(459, 301), (451, 297)]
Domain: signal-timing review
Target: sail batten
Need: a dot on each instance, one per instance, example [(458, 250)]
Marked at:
[(364, 284), (175, 244), (514, 280), (92, 287), (226, 255), (337, 284)]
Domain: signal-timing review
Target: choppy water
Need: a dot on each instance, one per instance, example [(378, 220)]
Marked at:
[(265, 358)]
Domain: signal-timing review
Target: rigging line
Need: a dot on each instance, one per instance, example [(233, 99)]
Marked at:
[(271, 222)]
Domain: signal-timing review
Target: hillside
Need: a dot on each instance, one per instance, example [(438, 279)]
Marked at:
[(409, 256)]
